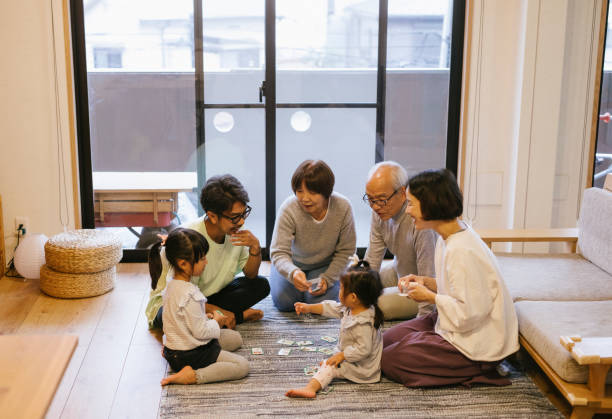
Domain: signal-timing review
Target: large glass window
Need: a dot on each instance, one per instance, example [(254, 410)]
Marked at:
[(175, 94), (418, 73), (141, 116), (603, 153), (326, 58)]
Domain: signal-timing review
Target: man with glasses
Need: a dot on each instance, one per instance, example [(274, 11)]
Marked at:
[(232, 250), (391, 228)]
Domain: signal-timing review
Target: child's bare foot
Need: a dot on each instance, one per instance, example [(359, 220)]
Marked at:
[(304, 392), (308, 392), (252, 315), (185, 376)]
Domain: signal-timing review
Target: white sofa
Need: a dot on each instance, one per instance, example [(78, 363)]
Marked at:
[(566, 295)]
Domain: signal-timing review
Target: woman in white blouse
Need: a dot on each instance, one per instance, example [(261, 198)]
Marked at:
[(475, 326)]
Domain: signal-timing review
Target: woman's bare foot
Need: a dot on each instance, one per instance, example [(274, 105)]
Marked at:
[(185, 376), (252, 315), (304, 392)]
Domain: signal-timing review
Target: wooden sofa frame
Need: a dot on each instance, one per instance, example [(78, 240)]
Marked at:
[(584, 400)]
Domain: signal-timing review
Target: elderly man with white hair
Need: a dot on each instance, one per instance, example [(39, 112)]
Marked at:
[(393, 229)]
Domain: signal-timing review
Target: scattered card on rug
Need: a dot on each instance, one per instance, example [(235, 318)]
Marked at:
[(309, 348), (284, 351), (284, 341), (307, 317), (328, 339), (326, 351), (304, 342), (326, 390), (257, 351), (311, 370)]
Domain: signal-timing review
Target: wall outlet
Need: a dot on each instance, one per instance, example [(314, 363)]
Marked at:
[(26, 225)]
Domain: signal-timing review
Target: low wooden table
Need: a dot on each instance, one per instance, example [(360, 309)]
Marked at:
[(31, 368)]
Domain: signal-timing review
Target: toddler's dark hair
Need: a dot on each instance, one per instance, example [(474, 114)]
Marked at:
[(182, 243), (366, 285)]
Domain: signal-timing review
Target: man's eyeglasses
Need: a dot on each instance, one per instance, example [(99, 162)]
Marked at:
[(380, 202), (236, 218)]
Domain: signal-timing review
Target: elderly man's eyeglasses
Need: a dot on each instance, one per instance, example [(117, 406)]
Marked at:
[(380, 202), (236, 218)]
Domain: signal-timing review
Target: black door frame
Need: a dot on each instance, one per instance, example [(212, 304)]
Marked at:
[(82, 105)]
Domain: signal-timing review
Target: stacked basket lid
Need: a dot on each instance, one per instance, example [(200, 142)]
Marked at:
[(80, 263)]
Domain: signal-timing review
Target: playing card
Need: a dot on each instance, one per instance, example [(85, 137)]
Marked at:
[(309, 348), (326, 390), (284, 341), (326, 351), (328, 339), (316, 285), (257, 351), (307, 317), (304, 342), (284, 351), (310, 370)]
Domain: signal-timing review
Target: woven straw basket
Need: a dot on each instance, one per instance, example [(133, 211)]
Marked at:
[(66, 285), (83, 251)]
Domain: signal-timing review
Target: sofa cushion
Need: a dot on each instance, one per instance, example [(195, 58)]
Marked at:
[(542, 323), (559, 277), (595, 228)]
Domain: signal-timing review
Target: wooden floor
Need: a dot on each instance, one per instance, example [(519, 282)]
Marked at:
[(116, 368)]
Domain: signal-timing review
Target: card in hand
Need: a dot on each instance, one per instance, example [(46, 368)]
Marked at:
[(316, 285)]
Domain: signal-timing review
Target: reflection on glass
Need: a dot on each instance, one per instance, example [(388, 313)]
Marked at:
[(223, 121), (300, 121)]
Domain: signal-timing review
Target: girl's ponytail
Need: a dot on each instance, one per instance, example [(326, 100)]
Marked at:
[(155, 264), (379, 318)]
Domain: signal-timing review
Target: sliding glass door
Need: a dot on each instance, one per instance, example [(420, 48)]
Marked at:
[(233, 136), (326, 85), (169, 95)]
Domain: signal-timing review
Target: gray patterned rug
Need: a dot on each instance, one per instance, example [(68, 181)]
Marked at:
[(261, 393)]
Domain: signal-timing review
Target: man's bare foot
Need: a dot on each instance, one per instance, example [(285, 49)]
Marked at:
[(252, 315), (185, 376), (304, 392)]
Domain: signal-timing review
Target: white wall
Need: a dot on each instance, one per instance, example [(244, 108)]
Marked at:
[(529, 104), (29, 161)]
